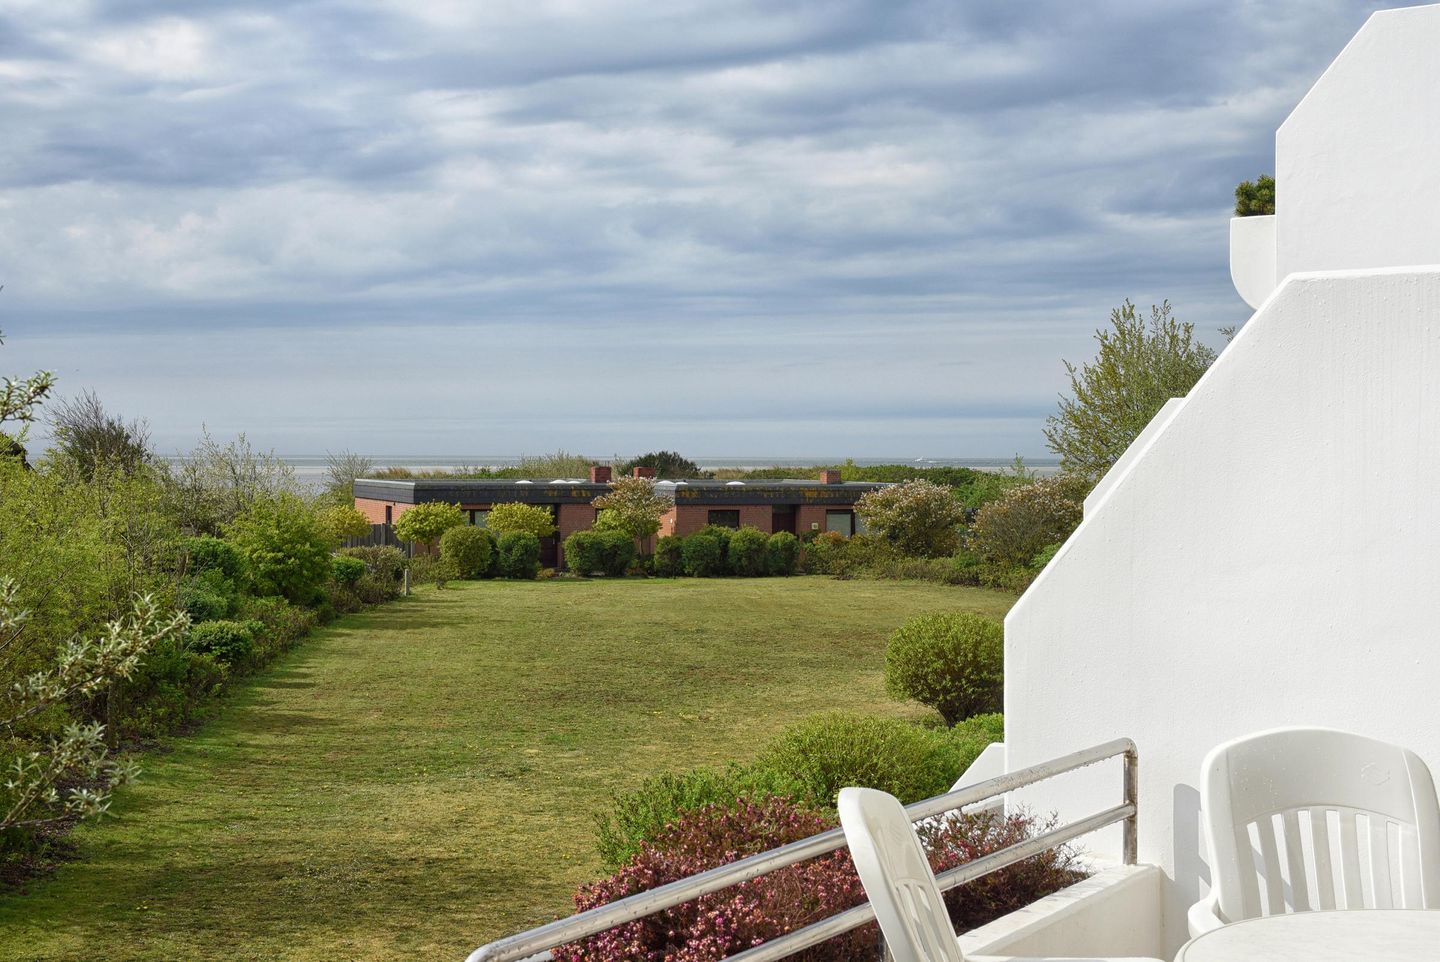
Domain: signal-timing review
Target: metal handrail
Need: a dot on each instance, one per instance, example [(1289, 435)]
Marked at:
[(527, 945)]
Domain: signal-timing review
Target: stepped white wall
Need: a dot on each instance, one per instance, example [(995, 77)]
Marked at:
[(1270, 557)]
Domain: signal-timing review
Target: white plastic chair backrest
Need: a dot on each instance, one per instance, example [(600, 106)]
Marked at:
[(1301, 819), (897, 877)]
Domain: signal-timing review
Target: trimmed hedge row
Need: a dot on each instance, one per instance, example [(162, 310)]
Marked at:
[(714, 551)]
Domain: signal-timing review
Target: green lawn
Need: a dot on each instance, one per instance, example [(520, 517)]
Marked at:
[(420, 779)]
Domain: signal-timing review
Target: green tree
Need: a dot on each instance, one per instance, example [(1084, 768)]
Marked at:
[(667, 464), (1255, 197), (920, 518), (517, 516), (92, 438), (286, 550), (343, 521), (341, 470), (1014, 528), (1140, 365), (633, 506), (425, 523)]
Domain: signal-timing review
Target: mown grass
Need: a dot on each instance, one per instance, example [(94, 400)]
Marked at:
[(420, 779)]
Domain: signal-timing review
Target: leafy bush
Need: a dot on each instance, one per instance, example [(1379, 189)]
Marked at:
[(284, 624), (667, 464), (431, 569), (782, 554), (1012, 529), (284, 547), (1255, 197), (724, 923), (384, 562), (662, 800), (171, 688), (956, 838), (920, 518), (519, 517), (425, 523), (634, 506), (955, 663), (746, 555), (668, 561), (229, 642), (343, 521), (1044, 556), (825, 753), (202, 600), (467, 549), (519, 554), (347, 570), (703, 555), (834, 554), (213, 554), (606, 552)]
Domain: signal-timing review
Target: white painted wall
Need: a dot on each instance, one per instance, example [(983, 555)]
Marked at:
[(1357, 163), (1270, 557)]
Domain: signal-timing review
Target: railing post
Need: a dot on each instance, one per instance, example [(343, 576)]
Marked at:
[(1132, 797), (406, 588)]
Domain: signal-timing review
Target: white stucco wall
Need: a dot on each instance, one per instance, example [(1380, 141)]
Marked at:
[(1271, 557), (1356, 162)]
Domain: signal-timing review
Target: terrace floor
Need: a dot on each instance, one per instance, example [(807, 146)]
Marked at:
[(420, 779)]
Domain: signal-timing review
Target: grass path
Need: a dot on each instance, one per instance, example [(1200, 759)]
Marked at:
[(419, 779)]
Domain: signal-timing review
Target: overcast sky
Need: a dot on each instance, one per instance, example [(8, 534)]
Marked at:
[(721, 226)]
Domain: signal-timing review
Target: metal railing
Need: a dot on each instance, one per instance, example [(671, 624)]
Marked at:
[(531, 944)]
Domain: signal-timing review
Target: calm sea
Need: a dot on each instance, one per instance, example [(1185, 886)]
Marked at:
[(310, 468)]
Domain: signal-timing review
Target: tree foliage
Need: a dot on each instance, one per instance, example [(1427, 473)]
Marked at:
[(343, 521), (1140, 365), (341, 470), (516, 516), (633, 506), (286, 550), (920, 518), (425, 523), (216, 483), (1255, 197), (667, 464), (93, 438), (1011, 530)]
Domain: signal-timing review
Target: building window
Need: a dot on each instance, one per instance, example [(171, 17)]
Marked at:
[(480, 518), (725, 519), (841, 522), (389, 510)]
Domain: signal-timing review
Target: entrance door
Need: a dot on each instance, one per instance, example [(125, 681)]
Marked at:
[(783, 518)]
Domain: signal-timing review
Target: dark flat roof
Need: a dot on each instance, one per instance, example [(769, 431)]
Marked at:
[(564, 491)]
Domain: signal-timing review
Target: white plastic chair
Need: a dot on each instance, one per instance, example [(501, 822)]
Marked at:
[(1300, 819), (898, 881)]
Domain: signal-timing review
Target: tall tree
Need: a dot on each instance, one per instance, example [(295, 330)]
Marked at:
[(1140, 365), (93, 438)]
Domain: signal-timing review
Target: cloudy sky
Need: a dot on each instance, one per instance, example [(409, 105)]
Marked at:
[(779, 227)]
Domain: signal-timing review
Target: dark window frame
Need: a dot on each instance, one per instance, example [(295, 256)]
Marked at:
[(728, 513)]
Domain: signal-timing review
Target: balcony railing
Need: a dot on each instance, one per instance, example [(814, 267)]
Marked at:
[(536, 943)]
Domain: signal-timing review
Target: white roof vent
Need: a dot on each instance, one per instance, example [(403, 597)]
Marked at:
[(524, 482), (733, 484)]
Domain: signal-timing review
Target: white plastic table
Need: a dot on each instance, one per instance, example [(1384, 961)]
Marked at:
[(1362, 935)]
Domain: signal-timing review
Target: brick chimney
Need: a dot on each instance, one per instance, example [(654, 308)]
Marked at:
[(829, 477), (644, 472), (599, 474)]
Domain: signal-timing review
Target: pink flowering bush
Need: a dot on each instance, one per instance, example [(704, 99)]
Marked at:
[(734, 919), (724, 923)]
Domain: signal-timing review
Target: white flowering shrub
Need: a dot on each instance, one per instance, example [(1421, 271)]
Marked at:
[(920, 518), (1014, 528)]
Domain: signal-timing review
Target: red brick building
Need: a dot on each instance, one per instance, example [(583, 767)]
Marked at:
[(826, 504)]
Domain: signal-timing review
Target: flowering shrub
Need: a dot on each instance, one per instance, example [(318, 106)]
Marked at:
[(724, 923), (1012, 529), (634, 506), (734, 919), (920, 518)]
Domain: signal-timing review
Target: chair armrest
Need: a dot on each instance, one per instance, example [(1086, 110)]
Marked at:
[(1203, 916)]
